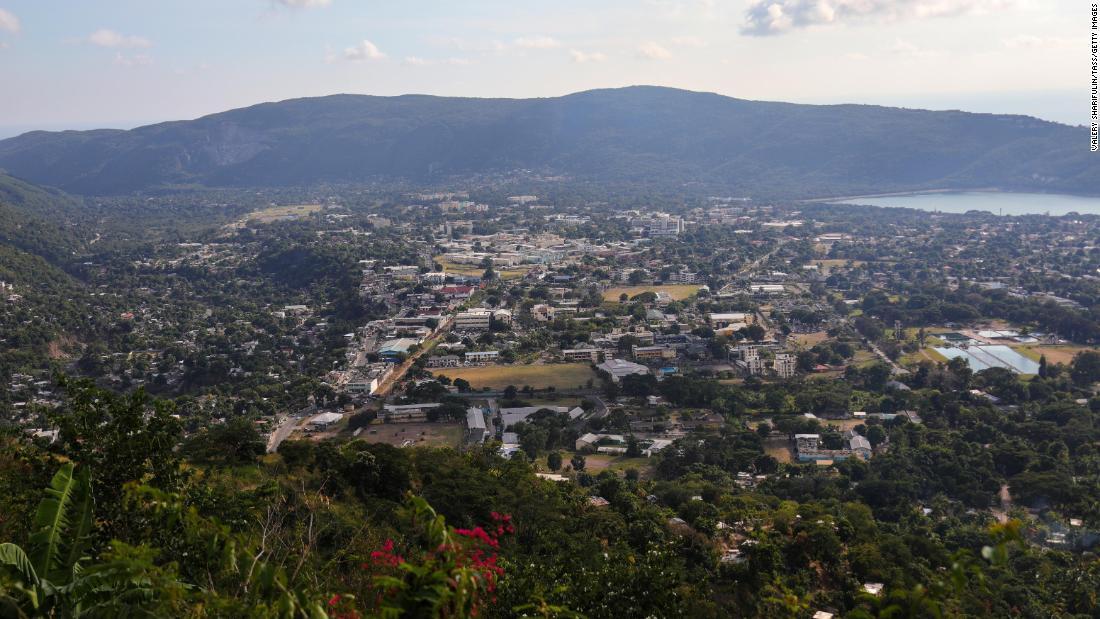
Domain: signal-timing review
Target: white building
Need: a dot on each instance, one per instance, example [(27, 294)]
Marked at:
[(482, 356), (473, 320), (618, 368)]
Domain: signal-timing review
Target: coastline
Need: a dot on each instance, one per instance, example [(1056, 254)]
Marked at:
[(895, 194)]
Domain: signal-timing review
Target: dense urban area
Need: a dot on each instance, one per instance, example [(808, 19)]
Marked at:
[(515, 396)]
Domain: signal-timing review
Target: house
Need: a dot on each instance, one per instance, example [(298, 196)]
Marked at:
[(618, 368), (860, 446), (475, 425)]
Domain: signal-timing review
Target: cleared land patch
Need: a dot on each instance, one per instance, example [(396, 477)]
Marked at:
[(414, 434), (498, 377), (279, 213)]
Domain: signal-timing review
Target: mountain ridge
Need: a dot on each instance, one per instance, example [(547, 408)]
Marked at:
[(643, 134)]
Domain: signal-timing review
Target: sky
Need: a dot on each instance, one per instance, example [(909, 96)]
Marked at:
[(78, 64)]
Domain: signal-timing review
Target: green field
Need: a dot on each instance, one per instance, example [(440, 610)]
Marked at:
[(473, 270), (677, 291), (276, 213), (497, 377)]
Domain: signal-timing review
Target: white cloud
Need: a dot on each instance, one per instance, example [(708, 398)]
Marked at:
[(417, 61), (537, 42), (109, 38), (303, 4), (653, 51), (584, 57), (132, 60), (467, 46), (363, 52), (1027, 41), (767, 17), (905, 48), (688, 41), (8, 21)]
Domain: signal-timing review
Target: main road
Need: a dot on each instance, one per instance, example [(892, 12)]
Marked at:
[(399, 372)]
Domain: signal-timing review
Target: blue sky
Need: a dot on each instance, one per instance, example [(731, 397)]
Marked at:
[(89, 63)]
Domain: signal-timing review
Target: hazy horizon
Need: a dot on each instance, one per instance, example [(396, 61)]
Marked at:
[(127, 62), (978, 103)]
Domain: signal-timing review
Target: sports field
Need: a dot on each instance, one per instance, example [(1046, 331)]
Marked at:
[(288, 212), (678, 292), (498, 377)]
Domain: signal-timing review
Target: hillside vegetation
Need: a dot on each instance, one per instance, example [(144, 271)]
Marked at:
[(657, 136)]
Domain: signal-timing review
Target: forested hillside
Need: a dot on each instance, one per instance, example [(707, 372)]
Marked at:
[(658, 136)]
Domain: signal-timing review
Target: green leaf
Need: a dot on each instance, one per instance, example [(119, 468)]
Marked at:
[(13, 555), (54, 548)]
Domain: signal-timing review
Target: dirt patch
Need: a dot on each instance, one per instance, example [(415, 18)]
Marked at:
[(414, 434)]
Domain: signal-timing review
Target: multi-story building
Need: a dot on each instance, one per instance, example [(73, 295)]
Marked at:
[(482, 356), (653, 352), (785, 365), (581, 354), (473, 320)]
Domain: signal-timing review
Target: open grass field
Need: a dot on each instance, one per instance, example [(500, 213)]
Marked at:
[(925, 354), (414, 434), (474, 270), (498, 377), (276, 213), (676, 291), (1054, 354), (808, 340), (825, 266)]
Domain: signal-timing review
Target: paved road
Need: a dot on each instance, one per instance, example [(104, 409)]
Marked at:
[(281, 433), (894, 367), (399, 372)]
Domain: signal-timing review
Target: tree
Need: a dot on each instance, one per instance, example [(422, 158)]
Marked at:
[(553, 460), (234, 442), (754, 332), (578, 462), (1085, 369), (462, 385), (510, 392), (876, 435)]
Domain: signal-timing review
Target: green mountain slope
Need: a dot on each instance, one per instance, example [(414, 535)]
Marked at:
[(638, 134)]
